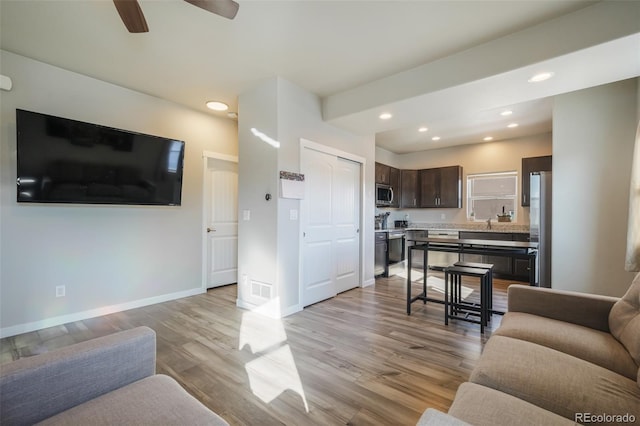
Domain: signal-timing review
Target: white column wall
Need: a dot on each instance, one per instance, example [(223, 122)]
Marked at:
[(290, 113), (593, 135)]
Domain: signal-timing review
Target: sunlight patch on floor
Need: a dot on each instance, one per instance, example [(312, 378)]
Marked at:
[(433, 283), (274, 370)]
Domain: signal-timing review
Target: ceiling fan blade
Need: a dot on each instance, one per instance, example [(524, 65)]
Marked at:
[(131, 15), (225, 8)]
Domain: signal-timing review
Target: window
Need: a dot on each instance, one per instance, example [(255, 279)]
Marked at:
[(489, 193)]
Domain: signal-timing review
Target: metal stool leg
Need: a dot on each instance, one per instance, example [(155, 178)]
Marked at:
[(446, 297)]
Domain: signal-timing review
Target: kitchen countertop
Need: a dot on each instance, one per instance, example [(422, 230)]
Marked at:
[(471, 226)]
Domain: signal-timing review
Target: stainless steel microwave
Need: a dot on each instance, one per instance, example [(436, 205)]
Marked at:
[(384, 195)]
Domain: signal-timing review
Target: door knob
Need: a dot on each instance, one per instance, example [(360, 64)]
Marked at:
[(211, 229)]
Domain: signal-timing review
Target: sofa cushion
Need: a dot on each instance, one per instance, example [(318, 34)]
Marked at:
[(624, 320), (592, 345), (553, 380), (154, 400), (480, 405)]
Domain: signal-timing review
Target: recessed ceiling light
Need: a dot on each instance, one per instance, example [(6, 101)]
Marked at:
[(435, 138), (541, 77), (217, 106), (488, 138), (423, 129), (506, 112), (512, 125), (385, 116)]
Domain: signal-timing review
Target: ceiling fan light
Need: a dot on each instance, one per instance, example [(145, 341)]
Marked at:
[(217, 106)]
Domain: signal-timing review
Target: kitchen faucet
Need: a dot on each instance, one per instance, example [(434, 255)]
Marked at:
[(489, 223)]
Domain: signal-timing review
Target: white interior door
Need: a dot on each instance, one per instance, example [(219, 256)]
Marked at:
[(330, 221), (221, 188), (346, 222), (317, 257)]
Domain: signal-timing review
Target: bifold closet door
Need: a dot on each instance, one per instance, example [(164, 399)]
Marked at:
[(330, 226)]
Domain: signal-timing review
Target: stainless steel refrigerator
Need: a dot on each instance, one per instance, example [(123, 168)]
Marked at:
[(540, 224)]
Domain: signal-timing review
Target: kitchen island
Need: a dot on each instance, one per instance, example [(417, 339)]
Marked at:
[(512, 249)]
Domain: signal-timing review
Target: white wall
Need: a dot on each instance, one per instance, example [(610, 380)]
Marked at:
[(108, 257), (593, 134), (499, 156), (257, 164), (288, 113)]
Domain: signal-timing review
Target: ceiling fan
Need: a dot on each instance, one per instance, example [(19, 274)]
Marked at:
[(133, 18)]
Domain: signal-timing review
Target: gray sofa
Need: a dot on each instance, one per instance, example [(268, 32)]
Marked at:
[(109, 380), (557, 358)]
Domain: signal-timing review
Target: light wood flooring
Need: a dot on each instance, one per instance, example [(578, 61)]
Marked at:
[(356, 359)]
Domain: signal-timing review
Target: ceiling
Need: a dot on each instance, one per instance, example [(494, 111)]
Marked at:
[(335, 49)]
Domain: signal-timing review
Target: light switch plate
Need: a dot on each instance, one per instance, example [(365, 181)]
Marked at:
[(293, 214), (246, 214)]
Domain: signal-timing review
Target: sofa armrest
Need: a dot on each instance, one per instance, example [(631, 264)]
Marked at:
[(35, 388), (588, 310)]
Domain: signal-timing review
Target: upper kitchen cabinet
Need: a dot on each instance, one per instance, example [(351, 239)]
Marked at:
[(382, 173), (441, 187), (388, 175), (529, 165), (409, 189)]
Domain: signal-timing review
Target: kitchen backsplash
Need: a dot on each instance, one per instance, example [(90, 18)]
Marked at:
[(453, 219), (471, 226)]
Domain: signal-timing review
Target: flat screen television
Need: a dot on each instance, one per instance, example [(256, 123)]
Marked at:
[(68, 161)]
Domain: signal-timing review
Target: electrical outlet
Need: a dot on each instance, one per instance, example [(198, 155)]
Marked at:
[(443, 216), (61, 291)]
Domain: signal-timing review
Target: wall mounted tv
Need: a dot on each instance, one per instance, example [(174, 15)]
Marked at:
[(68, 161)]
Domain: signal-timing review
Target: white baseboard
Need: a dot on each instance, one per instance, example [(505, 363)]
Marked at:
[(92, 313), (369, 282), (271, 310)]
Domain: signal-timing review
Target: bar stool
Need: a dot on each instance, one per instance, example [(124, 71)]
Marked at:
[(454, 306), (488, 266)]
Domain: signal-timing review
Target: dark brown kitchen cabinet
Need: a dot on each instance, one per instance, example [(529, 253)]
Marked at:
[(429, 187), (441, 187), (388, 175), (409, 194), (451, 187), (529, 165), (382, 173)]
